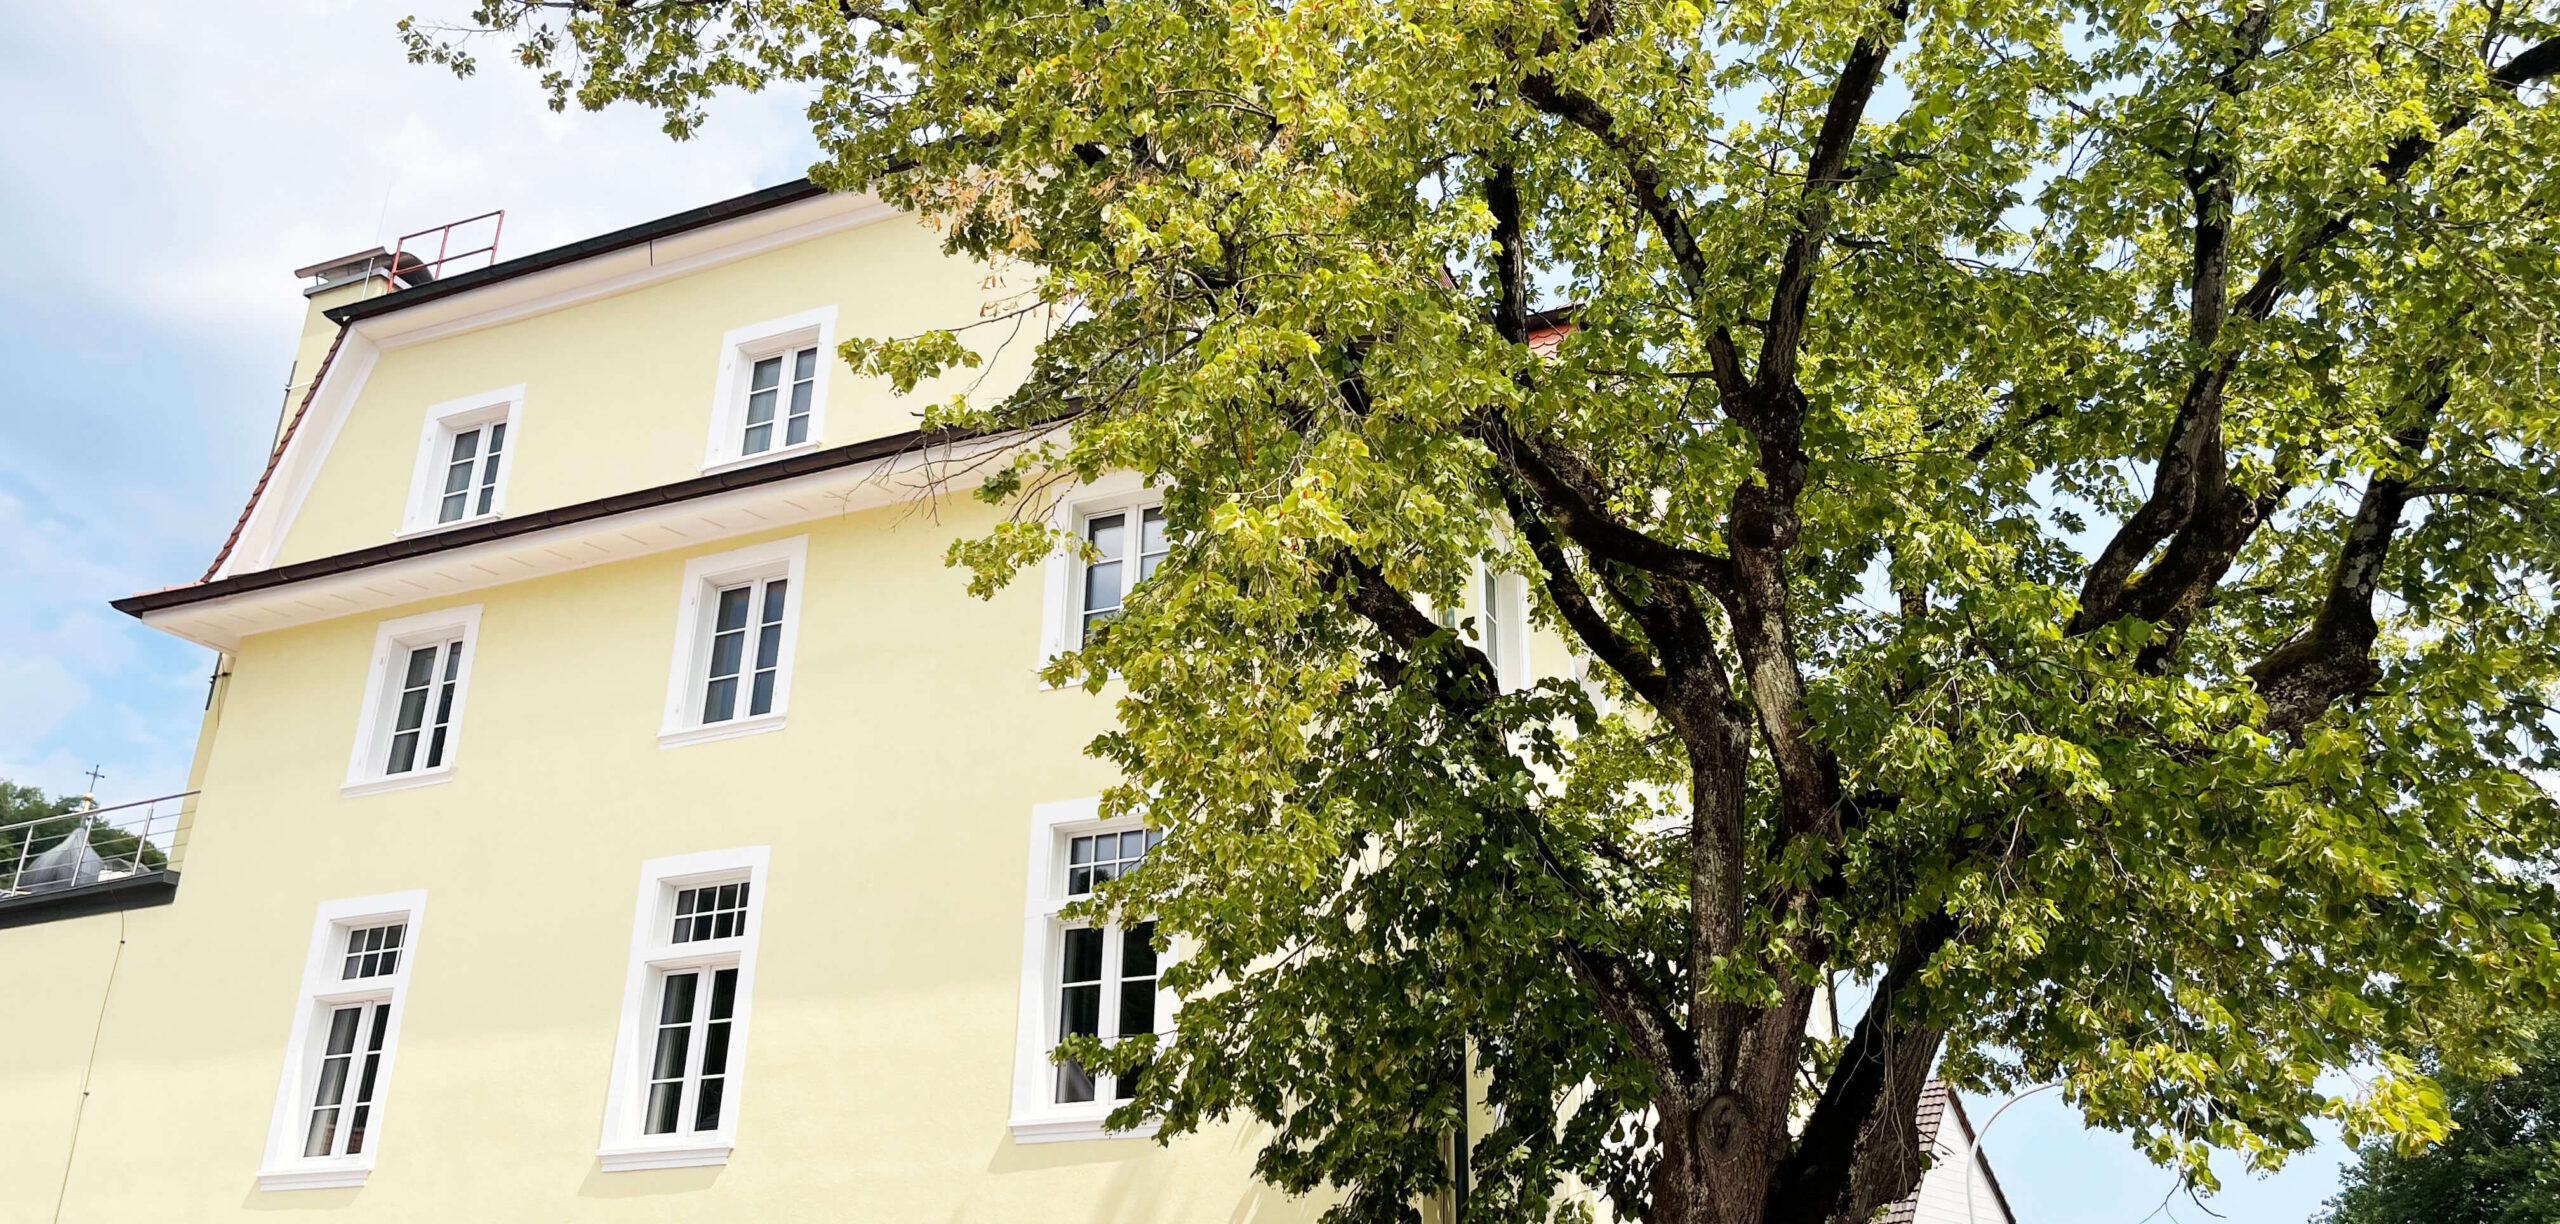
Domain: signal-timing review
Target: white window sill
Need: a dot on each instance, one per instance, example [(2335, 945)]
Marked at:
[(397, 782), (732, 729), (1073, 1127), (312, 1179), (427, 529), (717, 466), (634, 1157)]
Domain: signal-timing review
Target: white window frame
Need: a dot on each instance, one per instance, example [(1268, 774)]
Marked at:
[(435, 445), (1506, 597), (688, 672), (1062, 602), (1037, 1117), (740, 349), (653, 954), (324, 990), (377, 718)]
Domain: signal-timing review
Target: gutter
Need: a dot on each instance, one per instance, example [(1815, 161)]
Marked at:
[(148, 602)]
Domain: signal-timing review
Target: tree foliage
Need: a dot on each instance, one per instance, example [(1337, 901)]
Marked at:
[(2053, 502), (2501, 1164)]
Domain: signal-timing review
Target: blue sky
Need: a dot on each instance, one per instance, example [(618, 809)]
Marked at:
[(162, 173)]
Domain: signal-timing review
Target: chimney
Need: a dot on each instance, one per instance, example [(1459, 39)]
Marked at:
[(335, 282)]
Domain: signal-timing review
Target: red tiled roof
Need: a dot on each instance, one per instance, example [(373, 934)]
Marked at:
[(274, 457)]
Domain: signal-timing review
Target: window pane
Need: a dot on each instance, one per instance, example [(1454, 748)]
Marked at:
[(775, 600), (342, 1040), (1105, 533), (724, 1002), (1075, 1084), (356, 1124), (1102, 586), (663, 1100), (1137, 1006), (1083, 960), (733, 608), (706, 1109), (465, 445), (759, 440), (805, 366), (1138, 958), (720, 700), (760, 696), (800, 393), (760, 407), (768, 374), (726, 648), (675, 1003), (1152, 545), (1080, 850), (422, 668), (324, 1132)]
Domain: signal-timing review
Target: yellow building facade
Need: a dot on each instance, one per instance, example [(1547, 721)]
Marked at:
[(608, 805), (641, 824)]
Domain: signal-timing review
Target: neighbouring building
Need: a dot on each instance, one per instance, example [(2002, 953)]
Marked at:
[(608, 806)]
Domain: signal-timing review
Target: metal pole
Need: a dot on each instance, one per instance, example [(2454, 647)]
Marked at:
[(1973, 1142)]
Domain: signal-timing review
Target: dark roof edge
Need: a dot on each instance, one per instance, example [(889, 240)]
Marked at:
[(1981, 1159), (586, 248), (542, 520)]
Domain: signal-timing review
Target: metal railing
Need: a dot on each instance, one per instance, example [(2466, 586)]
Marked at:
[(408, 261), (97, 846)]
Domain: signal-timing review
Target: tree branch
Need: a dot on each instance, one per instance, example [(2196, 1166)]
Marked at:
[(1789, 302), (2189, 500), (2332, 657), (1811, 1183)]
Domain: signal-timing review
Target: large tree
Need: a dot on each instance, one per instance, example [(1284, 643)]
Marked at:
[(2052, 501)]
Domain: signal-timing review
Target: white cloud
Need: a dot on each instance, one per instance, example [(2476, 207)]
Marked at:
[(165, 166), (189, 157)]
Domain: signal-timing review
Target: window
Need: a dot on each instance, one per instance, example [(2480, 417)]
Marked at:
[(749, 608), (373, 951), (771, 397), (1125, 553), (1079, 977), (462, 460), (1122, 522), (471, 472), (713, 911), (1494, 619), (737, 615), (407, 731), (768, 399), (673, 1100), (328, 1114)]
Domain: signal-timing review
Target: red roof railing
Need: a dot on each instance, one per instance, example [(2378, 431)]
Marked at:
[(411, 266)]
